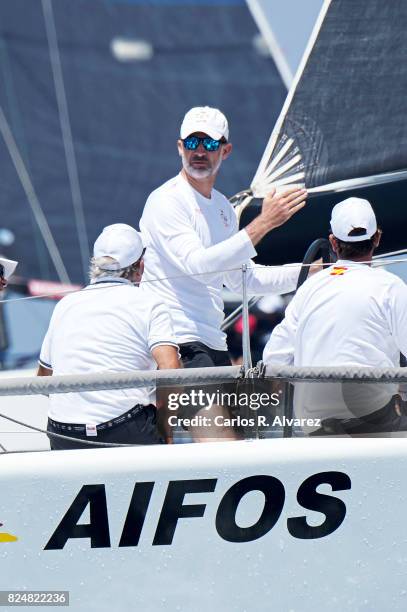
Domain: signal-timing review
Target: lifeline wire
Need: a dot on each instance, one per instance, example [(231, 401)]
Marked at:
[(377, 263), (44, 431)]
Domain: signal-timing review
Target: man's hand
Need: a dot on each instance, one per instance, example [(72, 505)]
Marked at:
[(277, 208), (3, 283)]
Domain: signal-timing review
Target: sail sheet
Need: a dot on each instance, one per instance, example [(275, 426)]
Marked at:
[(344, 118), (87, 132)]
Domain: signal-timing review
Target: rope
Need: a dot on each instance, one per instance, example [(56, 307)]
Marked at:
[(66, 133), (331, 374), (45, 385), (234, 316), (44, 431), (391, 253), (67, 384), (32, 198)]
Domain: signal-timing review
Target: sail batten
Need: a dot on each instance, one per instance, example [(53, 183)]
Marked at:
[(276, 135), (346, 109)]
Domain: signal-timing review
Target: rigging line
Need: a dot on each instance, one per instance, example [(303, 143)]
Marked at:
[(65, 437), (146, 282), (13, 103), (274, 48), (235, 314), (377, 262), (32, 198), (391, 253), (66, 133)]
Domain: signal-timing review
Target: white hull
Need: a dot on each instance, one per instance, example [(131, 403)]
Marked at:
[(30, 409), (359, 565)]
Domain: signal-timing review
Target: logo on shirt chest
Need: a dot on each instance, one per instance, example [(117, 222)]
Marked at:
[(338, 271), (225, 219)]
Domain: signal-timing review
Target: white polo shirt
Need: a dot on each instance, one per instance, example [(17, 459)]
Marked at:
[(194, 247), (110, 326), (347, 315)]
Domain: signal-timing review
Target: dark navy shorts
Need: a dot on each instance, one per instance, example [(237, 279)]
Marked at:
[(137, 426), (198, 355)]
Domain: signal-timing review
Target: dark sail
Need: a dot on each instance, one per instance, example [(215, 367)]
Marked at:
[(60, 81), (345, 115)]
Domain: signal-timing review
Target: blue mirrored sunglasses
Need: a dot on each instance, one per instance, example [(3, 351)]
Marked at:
[(209, 144)]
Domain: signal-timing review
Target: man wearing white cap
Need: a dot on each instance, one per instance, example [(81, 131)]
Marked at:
[(194, 245), (110, 326), (7, 267), (350, 314)]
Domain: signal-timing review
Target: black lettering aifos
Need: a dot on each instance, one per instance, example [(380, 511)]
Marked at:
[(174, 509)]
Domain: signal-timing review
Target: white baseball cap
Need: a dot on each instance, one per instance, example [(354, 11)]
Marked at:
[(207, 120), (121, 242), (350, 214), (9, 266)]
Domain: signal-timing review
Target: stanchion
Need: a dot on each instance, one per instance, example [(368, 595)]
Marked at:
[(247, 357), (288, 410)]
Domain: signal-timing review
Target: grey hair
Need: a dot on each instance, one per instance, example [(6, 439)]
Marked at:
[(98, 267)]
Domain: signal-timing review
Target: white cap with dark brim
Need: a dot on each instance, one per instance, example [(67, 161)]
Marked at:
[(121, 242), (350, 214), (206, 120), (9, 266)]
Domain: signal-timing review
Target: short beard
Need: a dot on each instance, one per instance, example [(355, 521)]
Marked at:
[(200, 173)]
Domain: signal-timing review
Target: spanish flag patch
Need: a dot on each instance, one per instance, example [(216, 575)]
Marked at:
[(338, 271)]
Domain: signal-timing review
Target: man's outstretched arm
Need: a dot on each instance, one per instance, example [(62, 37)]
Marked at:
[(175, 236)]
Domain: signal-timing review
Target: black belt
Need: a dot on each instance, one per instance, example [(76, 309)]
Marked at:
[(81, 427)]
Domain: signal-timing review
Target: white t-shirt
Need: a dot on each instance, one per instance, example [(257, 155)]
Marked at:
[(347, 315), (194, 247), (110, 326)]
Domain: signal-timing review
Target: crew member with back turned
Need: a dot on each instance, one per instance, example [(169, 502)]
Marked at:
[(110, 326), (350, 314)]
